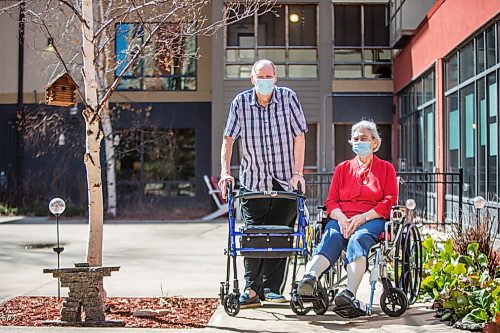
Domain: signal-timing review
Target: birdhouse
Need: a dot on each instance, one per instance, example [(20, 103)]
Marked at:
[(61, 91)]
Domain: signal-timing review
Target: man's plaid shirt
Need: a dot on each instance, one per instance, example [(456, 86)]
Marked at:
[(267, 137)]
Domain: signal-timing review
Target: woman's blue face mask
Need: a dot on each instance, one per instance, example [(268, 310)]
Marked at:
[(362, 148), (264, 86)]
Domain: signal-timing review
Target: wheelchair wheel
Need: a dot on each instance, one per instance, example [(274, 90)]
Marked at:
[(321, 307), (231, 304), (397, 306), (408, 267)]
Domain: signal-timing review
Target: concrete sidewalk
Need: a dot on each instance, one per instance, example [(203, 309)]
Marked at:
[(173, 259)]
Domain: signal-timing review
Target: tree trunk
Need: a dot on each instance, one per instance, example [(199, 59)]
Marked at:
[(107, 126), (93, 140), (109, 150)]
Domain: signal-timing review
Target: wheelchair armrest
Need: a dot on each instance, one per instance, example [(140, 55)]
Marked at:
[(388, 232), (398, 213), (322, 208)]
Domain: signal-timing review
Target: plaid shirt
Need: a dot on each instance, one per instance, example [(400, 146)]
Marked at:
[(267, 137)]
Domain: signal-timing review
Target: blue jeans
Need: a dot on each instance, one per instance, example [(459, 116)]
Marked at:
[(358, 245)]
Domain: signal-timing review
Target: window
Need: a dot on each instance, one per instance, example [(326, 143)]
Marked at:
[(157, 69), (361, 42), (160, 159), (471, 108), (287, 36), (417, 124), (468, 153), (311, 158)]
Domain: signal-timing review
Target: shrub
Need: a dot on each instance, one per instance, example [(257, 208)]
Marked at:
[(477, 230), (5, 210), (464, 291)]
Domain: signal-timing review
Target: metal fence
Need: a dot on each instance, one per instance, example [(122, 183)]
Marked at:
[(438, 195)]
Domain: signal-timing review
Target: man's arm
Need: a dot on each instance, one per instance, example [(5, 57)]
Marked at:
[(299, 148), (225, 160)]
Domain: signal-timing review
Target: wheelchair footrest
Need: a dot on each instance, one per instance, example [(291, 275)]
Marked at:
[(349, 311), (260, 237)]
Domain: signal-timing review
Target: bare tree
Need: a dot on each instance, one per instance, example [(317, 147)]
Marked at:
[(86, 30)]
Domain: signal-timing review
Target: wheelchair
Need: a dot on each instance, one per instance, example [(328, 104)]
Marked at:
[(261, 241), (397, 256)]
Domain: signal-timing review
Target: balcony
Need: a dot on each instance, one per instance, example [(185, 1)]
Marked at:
[(404, 18)]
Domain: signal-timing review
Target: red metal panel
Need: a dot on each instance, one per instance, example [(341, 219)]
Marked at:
[(448, 24)]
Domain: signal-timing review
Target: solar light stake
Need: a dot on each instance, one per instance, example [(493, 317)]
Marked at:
[(479, 204), (57, 207)]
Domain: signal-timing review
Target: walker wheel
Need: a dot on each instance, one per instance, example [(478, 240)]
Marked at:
[(396, 307), (231, 304)]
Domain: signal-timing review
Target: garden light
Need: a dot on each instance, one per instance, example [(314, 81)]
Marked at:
[(410, 204), (479, 202), (57, 207)]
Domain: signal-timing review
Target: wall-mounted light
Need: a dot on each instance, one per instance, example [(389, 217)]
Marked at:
[(50, 45), (73, 111), (61, 140), (294, 18)]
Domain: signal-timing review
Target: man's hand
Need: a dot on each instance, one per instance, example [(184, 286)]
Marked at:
[(223, 184), (296, 179), (354, 223)]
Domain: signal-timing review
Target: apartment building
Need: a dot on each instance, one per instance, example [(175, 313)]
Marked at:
[(446, 95), (347, 60)]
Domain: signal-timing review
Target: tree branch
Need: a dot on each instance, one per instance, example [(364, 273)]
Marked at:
[(76, 11), (6, 9)]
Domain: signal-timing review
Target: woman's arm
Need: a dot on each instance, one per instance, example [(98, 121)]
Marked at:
[(333, 199), (390, 189)]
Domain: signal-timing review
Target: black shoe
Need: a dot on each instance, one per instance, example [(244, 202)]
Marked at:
[(347, 306), (308, 285)]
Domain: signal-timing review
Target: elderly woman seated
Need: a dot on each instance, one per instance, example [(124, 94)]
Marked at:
[(360, 198)]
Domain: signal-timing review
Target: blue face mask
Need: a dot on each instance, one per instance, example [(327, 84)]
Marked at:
[(362, 148), (264, 86)]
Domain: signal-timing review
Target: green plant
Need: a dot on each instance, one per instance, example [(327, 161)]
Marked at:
[(463, 289), (6, 210)]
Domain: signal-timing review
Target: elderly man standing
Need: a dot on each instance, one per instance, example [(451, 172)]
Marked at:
[(271, 124)]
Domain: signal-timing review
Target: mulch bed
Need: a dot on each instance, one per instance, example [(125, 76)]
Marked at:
[(184, 312)]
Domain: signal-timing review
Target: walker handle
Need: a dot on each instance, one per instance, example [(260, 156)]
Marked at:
[(299, 188), (229, 189)]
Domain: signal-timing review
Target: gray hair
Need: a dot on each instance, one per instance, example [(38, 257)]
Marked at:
[(263, 62), (372, 127)]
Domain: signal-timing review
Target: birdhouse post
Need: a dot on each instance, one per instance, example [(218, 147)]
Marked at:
[(61, 91)]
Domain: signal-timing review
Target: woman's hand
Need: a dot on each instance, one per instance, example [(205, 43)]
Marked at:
[(353, 224), (342, 220), (344, 225)]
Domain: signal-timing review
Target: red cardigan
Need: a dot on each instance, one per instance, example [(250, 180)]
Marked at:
[(348, 193)]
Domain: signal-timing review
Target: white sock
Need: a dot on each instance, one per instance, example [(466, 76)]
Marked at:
[(318, 264), (355, 272)]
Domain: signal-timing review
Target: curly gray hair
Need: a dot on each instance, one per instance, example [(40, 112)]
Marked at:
[(372, 127)]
